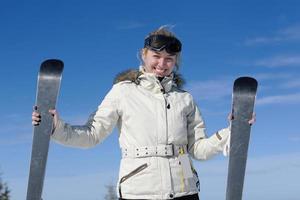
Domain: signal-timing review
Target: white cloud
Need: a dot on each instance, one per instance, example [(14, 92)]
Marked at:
[(268, 172), (280, 61), (81, 186), (279, 99), (291, 84), (294, 138), (262, 40), (291, 33), (278, 81), (272, 76), (268, 81), (16, 129), (15, 139), (210, 90)]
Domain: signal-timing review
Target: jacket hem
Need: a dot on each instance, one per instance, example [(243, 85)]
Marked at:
[(164, 196)]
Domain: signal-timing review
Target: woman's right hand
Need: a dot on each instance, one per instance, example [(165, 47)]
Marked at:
[(36, 117)]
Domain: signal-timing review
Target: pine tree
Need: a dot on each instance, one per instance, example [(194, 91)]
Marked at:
[(4, 191), (111, 193)]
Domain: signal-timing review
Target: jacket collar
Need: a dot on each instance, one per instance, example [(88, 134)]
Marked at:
[(150, 81)]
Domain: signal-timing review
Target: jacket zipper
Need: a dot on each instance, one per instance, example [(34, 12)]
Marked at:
[(166, 110), (167, 106), (134, 172)]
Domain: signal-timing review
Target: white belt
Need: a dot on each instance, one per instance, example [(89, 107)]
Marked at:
[(168, 150)]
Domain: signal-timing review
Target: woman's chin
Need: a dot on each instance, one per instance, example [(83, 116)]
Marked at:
[(161, 74)]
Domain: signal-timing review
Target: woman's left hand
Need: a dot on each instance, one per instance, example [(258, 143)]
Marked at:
[(251, 121)]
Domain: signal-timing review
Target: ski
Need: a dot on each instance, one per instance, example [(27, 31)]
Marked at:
[(244, 93), (48, 85)]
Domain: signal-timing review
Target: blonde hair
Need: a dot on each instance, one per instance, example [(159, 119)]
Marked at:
[(166, 31)]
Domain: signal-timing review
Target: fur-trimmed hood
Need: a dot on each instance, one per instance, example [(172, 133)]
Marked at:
[(133, 75)]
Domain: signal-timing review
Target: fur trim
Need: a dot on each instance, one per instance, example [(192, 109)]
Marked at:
[(132, 75), (128, 75), (179, 80)]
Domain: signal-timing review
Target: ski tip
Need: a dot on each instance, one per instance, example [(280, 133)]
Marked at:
[(52, 66), (246, 81)]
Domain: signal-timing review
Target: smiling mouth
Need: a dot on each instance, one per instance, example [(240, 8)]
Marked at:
[(159, 70)]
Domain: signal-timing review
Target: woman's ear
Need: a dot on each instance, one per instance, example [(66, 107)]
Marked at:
[(143, 54)]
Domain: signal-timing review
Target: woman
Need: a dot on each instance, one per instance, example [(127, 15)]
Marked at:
[(160, 126)]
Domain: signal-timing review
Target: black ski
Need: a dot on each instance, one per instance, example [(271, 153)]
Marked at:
[(48, 85), (244, 93)]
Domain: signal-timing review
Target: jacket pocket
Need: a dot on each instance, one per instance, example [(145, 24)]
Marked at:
[(197, 178), (127, 176)]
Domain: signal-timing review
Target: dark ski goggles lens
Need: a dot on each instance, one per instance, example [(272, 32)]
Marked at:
[(160, 42)]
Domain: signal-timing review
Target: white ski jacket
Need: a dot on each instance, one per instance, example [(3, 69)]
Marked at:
[(160, 129)]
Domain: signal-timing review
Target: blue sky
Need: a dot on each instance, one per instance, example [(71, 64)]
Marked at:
[(222, 40)]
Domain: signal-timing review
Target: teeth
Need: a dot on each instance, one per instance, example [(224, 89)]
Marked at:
[(158, 69)]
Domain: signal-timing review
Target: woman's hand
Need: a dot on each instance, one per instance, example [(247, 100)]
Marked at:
[(36, 117), (251, 121)]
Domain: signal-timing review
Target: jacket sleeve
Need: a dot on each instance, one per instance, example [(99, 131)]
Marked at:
[(98, 126), (200, 146)]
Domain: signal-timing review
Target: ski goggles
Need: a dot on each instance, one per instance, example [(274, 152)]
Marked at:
[(160, 42)]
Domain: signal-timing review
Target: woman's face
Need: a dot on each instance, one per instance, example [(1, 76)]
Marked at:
[(160, 63)]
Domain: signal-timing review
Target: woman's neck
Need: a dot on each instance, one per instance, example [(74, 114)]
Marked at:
[(160, 78)]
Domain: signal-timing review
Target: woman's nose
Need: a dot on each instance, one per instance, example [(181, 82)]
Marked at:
[(162, 61)]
